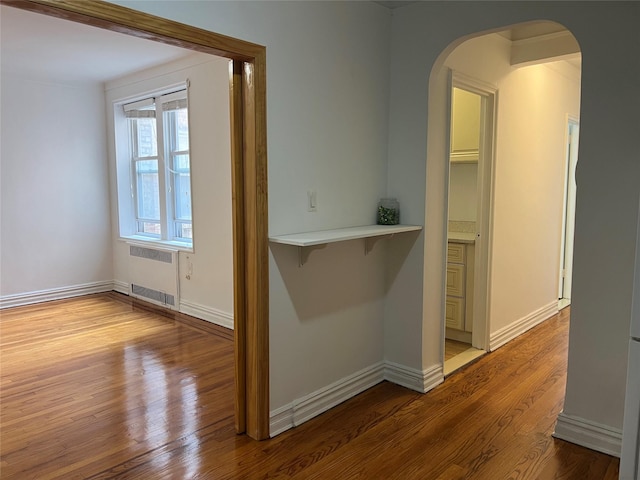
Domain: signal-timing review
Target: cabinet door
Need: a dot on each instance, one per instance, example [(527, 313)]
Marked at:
[(455, 253), (469, 288), (455, 280), (455, 313)]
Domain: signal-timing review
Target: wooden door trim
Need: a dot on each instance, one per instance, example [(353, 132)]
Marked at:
[(249, 182)]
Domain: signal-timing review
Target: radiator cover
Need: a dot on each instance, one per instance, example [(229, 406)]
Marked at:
[(153, 275)]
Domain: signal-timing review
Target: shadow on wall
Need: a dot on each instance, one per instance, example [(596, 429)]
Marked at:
[(313, 289)]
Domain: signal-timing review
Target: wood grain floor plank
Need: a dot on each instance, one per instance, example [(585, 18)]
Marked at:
[(454, 347)]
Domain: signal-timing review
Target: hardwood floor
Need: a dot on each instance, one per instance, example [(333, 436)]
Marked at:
[(96, 387), (453, 348)]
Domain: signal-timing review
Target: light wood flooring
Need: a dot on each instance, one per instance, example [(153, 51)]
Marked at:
[(453, 348), (98, 387)]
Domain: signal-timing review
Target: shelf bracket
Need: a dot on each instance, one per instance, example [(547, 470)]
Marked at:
[(304, 252), (370, 242)]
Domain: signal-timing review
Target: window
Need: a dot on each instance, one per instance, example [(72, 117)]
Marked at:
[(159, 168)]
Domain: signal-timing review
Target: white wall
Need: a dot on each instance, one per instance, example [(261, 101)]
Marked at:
[(463, 192), (529, 190), (607, 178), (55, 190), (208, 293)]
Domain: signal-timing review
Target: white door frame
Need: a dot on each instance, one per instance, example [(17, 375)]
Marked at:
[(484, 216), (572, 133)]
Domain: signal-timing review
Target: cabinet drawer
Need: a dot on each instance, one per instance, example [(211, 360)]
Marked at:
[(455, 253), (455, 280), (455, 313)]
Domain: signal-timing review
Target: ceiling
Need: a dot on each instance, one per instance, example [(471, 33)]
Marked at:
[(36, 45), (530, 30)]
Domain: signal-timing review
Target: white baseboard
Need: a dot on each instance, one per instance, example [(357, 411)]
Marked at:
[(281, 420), (601, 438), (508, 333), (312, 405), (28, 298), (209, 314), (121, 287), (458, 335), (418, 380)]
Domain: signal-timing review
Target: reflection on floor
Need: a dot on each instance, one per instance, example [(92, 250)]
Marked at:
[(458, 354)]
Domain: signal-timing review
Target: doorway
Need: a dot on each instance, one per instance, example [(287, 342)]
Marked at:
[(518, 227), (249, 184), (469, 183)]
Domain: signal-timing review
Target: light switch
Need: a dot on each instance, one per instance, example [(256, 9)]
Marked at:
[(312, 204)]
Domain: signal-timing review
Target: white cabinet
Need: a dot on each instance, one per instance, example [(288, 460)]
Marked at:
[(459, 301)]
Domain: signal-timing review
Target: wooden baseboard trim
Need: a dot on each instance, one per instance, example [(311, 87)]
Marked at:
[(580, 431), (508, 333), (40, 296)]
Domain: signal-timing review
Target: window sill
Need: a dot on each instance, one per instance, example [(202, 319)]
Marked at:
[(171, 245)]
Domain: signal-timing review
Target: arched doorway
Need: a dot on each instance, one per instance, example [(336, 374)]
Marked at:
[(520, 180)]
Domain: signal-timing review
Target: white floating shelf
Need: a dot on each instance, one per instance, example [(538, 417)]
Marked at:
[(309, 241)]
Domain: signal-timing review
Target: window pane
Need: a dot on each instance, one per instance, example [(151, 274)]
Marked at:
[(181, 164), (147, 137), (182, 187), (184, 231), (148, 190), (150, 228), (178, 122)]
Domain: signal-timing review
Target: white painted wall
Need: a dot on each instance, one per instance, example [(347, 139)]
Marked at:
[(208, 293), (485, 58), (55, 191), (463, 192), (607, 180), (529, 190)]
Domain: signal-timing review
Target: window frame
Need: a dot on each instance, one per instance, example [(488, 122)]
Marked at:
[(127, 155)]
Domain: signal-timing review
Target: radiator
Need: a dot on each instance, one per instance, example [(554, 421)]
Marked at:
[(153, 275)]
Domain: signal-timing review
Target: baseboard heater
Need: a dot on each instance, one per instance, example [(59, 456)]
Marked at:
[(153, 275)]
